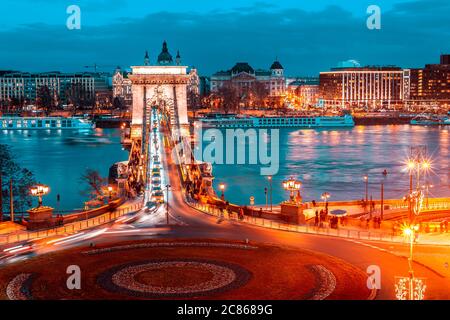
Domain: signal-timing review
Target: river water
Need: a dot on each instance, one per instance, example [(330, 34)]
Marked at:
[(332, 160), (59, 158), (336, 160)]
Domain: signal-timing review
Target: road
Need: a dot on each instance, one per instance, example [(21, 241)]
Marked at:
[(186, 222)]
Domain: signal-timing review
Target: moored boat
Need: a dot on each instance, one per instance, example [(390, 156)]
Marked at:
[(233, 121), (44, 123), (425, 120)]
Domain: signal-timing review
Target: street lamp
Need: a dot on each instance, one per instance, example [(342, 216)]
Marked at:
[(39, 190), (265, 195), (167, 203), (292, 186), (427, 187), (110, 189), (415, 197), (325, 196), (222, 189), (410, 288), (382, 194), (366, 179), (270, 191)]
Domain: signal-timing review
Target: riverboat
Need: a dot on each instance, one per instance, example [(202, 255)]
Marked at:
[(44, 123), (234, 121)]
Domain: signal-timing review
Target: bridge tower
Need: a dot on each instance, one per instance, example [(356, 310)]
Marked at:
[(162, 84)]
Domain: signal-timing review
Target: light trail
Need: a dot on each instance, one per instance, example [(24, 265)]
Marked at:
[(82, 237), (68, 237)]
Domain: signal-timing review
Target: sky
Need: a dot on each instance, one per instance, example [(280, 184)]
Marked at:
[(306, 36)]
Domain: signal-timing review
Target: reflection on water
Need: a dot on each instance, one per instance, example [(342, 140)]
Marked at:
[(335, 160), (58, 158)]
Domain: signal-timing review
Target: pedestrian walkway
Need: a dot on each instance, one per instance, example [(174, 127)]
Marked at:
[(351, 232)]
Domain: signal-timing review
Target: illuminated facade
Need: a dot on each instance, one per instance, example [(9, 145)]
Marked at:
[(164, 84), (374, 87), (430, 86), (122, 87), (24, 85), (243, 77)]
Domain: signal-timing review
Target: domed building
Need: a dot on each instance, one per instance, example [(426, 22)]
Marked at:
[(165, 58), (242, 76)]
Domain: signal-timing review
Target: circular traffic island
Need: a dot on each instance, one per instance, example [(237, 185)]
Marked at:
[(184, 269)]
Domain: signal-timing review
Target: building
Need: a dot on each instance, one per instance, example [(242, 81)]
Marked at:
[(243, 77), (166, 83), (62, 87), (205, 86), (371, 87), (430, 86), (121, 85), (305, 90)]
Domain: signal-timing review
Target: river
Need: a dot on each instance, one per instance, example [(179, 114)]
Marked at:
[(336, 160), (332, 160), (59, 158)]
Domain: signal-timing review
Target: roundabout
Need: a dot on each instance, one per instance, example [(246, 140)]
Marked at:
[(181, 269), (177, 278)]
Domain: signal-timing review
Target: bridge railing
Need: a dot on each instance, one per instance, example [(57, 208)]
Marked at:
[(278, 225), (70, 227)]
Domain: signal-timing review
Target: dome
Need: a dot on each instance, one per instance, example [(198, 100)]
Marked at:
[(242, 67), (276, 65), (165, 57)]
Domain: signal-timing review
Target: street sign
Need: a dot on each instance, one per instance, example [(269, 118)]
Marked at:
[(252, 200)]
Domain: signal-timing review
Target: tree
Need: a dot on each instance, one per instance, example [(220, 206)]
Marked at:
[(95, 183), (229, 98), (260, 93), (45, 99), (194, 101), (23, 179), (118, 103), (78, 96)]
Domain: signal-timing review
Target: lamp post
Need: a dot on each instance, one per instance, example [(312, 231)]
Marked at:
[(265, 194), (167, 203), (410, 288), (366, 179), (39, 190), (291, 185), (222, 189), (382, 195), (110, 189), (416, 165), (427, 187), (270, 191), (325, 196)]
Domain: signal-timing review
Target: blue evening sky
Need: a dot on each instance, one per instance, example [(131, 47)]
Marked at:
[(306, 36)]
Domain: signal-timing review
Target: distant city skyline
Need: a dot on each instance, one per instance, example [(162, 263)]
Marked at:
[(307, 37)]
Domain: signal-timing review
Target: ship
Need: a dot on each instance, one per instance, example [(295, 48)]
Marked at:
[(234, 121), (44, 123), (428, 120)]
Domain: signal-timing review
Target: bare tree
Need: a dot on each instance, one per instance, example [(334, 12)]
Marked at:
[(95, 183), (22, 180), (229, 98)]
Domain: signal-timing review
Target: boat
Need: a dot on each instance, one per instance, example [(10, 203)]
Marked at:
[(44, 123), (428, 120), (234, 121)]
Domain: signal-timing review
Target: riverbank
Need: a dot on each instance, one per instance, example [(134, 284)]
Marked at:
[(112, 123), (373, 121)]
